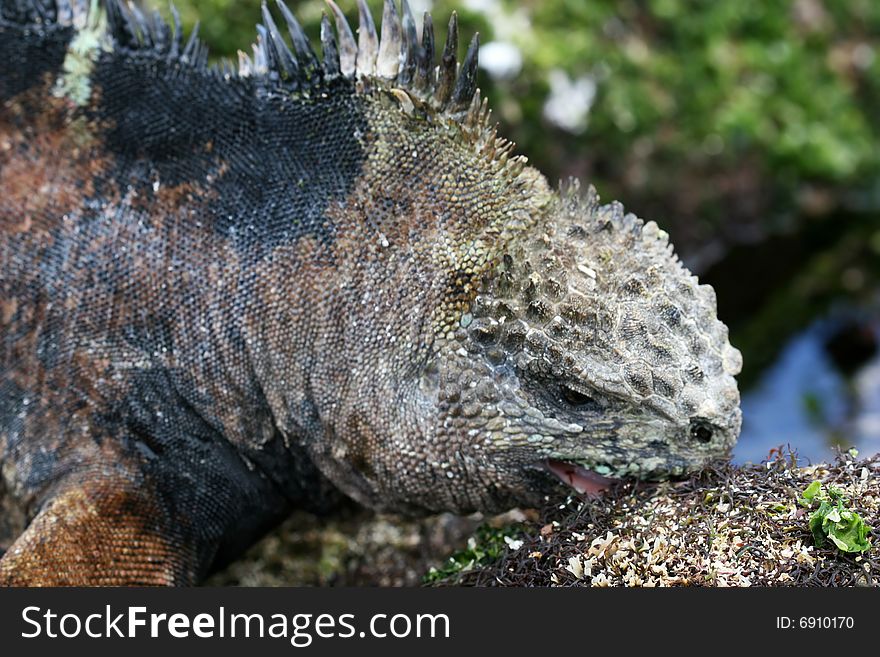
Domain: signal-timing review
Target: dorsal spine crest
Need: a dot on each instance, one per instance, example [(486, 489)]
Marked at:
[(442, 91)]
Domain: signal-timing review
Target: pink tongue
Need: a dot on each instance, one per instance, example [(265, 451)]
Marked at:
[(579, 478)]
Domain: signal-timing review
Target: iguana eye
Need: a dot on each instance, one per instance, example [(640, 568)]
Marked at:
[(702, 430), (574, 397)]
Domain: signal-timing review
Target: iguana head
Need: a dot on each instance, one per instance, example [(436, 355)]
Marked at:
[(590, 352)]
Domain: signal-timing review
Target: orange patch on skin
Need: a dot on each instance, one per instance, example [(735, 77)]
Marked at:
[(50, 162), (8, 307), (100, 533), (47, 162)]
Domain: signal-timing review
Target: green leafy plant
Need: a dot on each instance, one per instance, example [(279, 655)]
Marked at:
[(486, 546), (833, 521)]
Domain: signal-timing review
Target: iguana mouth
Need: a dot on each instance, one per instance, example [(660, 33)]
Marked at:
[(579, 477)]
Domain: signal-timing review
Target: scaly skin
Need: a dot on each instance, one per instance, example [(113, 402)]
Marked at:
[(225, 293)]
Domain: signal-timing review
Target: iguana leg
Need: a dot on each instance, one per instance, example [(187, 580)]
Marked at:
[(102, 533)]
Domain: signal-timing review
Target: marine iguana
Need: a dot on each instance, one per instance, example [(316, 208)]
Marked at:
[(230, 290)]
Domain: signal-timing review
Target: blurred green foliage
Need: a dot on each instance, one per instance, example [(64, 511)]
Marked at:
[(714, 117)]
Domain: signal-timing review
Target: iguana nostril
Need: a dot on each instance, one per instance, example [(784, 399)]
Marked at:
[(701, 430)]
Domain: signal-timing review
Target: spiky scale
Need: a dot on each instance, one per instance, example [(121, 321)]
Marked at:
[(466, 83), (368, 41), (425, 66), (472, 119), (410, 55), (307, 58), (191, 49), (141, 26), (177, 36), (118, 24), (227, 68), (328, 48), (391, 43), (161, 32), (491, 144), (448, 64), (283, 58), (348, 50), (261, 58), (265, 50), (245, 66)]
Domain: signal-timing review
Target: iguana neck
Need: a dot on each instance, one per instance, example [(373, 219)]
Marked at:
[(349, 327)]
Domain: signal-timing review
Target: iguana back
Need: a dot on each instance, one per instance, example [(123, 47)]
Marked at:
[(228, 291)]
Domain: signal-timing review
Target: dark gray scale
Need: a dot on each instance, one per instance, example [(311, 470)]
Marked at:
[(278, 158), (24, 64)]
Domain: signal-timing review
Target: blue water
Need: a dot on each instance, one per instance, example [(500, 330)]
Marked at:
[(803, 401)]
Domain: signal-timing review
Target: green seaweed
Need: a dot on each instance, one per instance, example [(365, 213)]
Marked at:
[(485, 547), (833, 521)]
